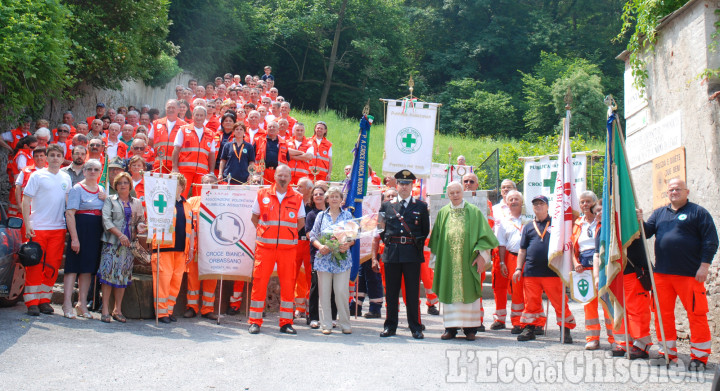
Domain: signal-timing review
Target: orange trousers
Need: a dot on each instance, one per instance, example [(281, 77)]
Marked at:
[(302, 273), (592, 320), (693, 297), (194, 181), (39, 279), (265, 260), (637, 308), (534, 314), (172, 267), (236, 298), (501, 285), (196, 287)]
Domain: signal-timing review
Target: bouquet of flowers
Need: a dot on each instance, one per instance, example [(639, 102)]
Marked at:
[(346, 232)]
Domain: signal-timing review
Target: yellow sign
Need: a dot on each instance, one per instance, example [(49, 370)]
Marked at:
[(666, 167)]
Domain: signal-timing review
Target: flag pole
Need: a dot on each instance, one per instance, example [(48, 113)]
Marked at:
[(566, 122), (220, 299), (647, 254)]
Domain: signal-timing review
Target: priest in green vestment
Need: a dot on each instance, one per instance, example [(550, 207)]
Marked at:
[(461, 241)]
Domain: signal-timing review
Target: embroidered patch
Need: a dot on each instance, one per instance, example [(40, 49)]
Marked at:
[(292, 215)]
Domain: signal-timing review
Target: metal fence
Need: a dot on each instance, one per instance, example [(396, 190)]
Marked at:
[(489, 175)]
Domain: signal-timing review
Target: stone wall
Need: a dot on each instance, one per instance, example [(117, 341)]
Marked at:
[(682, 52)]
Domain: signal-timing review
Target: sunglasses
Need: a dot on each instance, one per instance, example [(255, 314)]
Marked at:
[(468, 181), (138, 148), (590, 232)]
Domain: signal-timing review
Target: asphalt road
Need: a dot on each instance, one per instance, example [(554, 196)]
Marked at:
[(51, 352)]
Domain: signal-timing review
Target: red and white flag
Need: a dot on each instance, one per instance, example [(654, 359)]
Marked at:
[(565, 210)]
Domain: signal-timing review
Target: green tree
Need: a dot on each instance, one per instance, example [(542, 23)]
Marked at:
[(587, 107), (33, 54), (474, 111), (118, 40)]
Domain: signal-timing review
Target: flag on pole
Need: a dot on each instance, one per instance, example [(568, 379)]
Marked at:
[(565, 209), (620, 226), (357, 187)]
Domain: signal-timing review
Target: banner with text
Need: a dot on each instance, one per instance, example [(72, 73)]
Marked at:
[(540, 175), (160, 193), (409, 137), (226, 235)]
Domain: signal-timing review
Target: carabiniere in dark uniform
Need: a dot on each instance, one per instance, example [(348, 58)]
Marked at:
[(407, 224)]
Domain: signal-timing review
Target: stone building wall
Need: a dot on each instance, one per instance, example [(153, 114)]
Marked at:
[(678, 112)]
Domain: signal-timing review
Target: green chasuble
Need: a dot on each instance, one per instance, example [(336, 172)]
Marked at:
[(457, 237)]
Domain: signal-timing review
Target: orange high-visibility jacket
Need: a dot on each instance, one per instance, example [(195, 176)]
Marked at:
[(277, 227), (195, 153), (261, 150), (163, 142), (299, 168), (321, 161)]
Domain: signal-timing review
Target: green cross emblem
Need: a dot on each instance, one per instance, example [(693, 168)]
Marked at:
[(550, 183), (160, 203), (409, 140), (583, 287)]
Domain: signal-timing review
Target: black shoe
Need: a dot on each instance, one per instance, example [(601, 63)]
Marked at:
[(636, 353), (288, 329), (254, 329), (372, 315), (528, 334), (497, 325), (352, 309), (164, 319), (46, 308), (190, 313), (387, 333), (470, 336), (432, 310), (516, 330), (448, 334), (539, 331), (232, 311), (617, 351), (418, 334), (568, 338), (422, 327), (696, 365), (210, 315), (481, 328), (172, 318), (33, 310)]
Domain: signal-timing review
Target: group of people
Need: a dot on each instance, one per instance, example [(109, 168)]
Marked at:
[(228, 132)]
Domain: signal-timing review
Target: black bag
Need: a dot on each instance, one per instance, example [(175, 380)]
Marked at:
[(643, 276), (30, 254)]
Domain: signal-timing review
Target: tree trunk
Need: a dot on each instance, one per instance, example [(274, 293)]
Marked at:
[(333, 56)]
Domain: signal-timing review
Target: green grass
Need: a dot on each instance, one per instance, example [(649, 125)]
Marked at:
[(343, 134)]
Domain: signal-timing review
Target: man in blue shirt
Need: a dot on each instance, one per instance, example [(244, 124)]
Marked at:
[(686, 241)]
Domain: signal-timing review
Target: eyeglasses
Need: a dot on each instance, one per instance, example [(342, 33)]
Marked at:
[(675, 190), (468, 181), (138, 148), (95, 169), (590, 232)]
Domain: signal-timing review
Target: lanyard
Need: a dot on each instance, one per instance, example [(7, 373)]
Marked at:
[(236, 152), (542, 235)]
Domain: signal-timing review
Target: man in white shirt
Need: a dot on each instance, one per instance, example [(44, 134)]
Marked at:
[(46, 192), (508, 231), (113, 142)]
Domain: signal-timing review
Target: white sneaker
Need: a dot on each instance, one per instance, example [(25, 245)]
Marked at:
[(314, 324), (592, 345)]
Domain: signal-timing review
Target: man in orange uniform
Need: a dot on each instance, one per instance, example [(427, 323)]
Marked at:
[(321, 148), (163, 134), (194, 152), (500, 281), (686, 241), (278, 214), (272, 150), (194, 285), (46, 192), (174, 249), (532, 266), (509, 232), (299, 157)]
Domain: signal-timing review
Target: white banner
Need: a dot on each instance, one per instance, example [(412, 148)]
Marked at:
[(409, 137), (540, 176), (160, 193), (226, 235), (438, 176), (371, 204), (583, 287)]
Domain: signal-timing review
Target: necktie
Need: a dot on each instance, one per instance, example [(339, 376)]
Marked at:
[(402, 207)]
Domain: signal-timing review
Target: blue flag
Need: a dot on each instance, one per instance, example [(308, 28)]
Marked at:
[(357, 187)]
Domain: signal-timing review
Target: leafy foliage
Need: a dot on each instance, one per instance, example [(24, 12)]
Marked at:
[(474, 111), (33, 54)]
